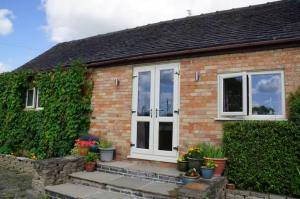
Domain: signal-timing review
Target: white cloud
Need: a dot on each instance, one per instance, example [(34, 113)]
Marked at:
[(269, 85), (4, 68), (74, 19), (6, 25)]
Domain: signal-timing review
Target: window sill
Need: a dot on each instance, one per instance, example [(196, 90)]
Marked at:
[(33, 109), (249, 119)]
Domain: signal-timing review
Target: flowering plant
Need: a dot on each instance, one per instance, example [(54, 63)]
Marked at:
[(183, 158), (84, 144), (195, 152)]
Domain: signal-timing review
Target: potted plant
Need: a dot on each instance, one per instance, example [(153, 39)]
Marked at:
[(216, 154), (208, 170), (182, 163), (106, 151), (190, 176), (90, 161), (84, 146), (195, 158)]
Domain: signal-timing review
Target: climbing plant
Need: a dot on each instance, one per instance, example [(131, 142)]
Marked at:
[(65, 97)]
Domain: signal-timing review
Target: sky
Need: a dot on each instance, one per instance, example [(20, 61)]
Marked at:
[(30, 27)]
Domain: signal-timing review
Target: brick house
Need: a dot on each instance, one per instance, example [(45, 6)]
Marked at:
[(161, 88)]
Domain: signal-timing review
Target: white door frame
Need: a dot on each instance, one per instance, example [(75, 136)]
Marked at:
[(153, 153)]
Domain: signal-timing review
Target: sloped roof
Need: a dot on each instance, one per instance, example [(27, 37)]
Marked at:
[(266, 22)]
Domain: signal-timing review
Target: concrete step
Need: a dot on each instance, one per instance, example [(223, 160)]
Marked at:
[(131, 186), (74, 191), (133, 169)]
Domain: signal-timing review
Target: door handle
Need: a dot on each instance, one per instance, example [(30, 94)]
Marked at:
[(157, 110), (151, 113), (176, 148)]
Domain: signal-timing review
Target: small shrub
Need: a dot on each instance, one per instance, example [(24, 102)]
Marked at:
[(263, 156), (91, 157), (294, 107), (105, 144), (211, 151)]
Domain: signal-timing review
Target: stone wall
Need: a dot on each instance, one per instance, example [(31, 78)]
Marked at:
[(240, 194), (44, 172), (24, 165), (54, 171)]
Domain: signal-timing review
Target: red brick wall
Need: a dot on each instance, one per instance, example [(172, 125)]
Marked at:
[(111, 115)]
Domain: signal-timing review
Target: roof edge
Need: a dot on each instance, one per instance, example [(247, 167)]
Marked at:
[(193, 51)]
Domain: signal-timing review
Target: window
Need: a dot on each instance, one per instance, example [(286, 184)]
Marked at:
[(33, 99), (256, 95)]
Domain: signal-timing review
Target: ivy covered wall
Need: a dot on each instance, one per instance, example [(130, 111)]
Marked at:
[(65, 97)]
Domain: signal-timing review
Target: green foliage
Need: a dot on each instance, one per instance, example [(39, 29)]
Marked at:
[(104, 144), (211, 164), (65, 95), (263, 156), (183, 158), (91, 157), (294, 107), (211, 151)]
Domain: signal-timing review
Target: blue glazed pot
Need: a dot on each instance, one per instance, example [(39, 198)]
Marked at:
[(188, 180), (207, 173)]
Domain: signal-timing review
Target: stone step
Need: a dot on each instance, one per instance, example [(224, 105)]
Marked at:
[(75, 191), (131, 186), (133, 169)]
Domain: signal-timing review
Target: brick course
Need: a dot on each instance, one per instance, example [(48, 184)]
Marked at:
[(111, 117)]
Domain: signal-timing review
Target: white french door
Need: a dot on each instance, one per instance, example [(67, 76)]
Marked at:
[(155, 112)]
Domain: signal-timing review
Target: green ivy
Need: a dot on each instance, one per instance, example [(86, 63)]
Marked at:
[(65, 96), (263, 156)]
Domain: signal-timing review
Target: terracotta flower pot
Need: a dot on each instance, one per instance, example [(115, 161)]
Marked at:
[(83, 151), (90, 166), (220, 162)]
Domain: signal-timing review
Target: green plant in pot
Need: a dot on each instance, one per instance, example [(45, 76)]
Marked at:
[(190, 176), (216, 154), (182, 163), (208, 170), (195, 158), (106, 151), (90, 161)]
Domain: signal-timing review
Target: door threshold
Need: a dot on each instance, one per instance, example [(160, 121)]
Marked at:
[(153, 158)]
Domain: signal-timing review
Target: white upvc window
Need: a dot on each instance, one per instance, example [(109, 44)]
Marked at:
[(251, 95), (33, 99), (30, 98)]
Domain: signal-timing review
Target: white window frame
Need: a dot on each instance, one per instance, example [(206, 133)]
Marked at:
[(33, 99), (38, 107), (247, 107), (221, 94), (266, 117)]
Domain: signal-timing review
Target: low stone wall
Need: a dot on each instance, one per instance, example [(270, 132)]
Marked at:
[(44, 172), (204, 189), (54, 171), (240, 194), (24, 165)]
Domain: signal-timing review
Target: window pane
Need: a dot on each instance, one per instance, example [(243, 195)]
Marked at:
[(266, 94), (144, 86), (233, 94), (166, 93), (30, 97), (165, 136), (142, 140)]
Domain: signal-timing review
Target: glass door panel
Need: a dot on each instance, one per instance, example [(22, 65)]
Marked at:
[(165, 137), (166, 93)]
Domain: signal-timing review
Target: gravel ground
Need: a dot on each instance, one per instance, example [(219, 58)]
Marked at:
[(14, 185)]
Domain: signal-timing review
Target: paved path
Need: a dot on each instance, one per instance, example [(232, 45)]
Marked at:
[(13, 184)]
